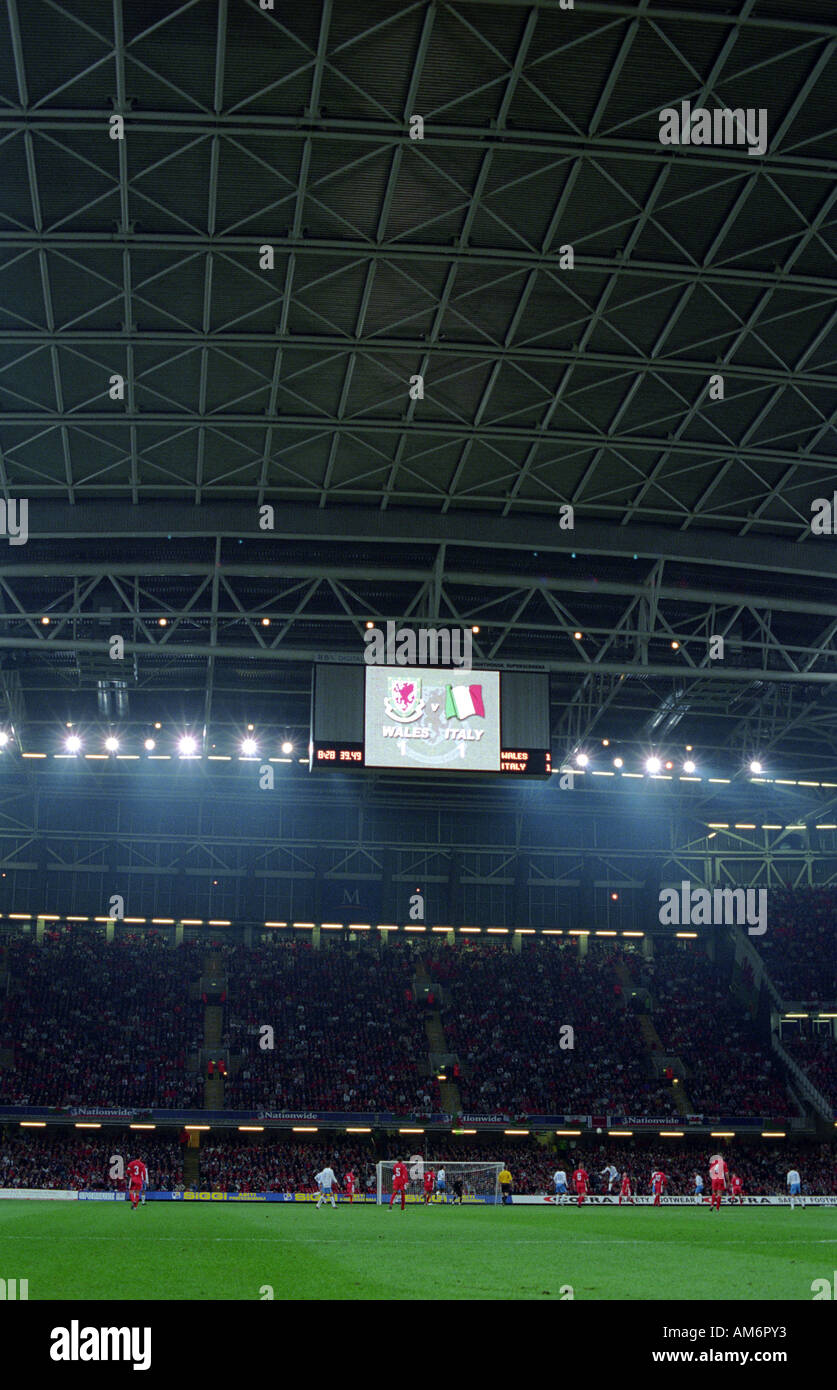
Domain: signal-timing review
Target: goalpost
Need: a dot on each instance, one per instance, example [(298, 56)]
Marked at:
[(480, 1181)]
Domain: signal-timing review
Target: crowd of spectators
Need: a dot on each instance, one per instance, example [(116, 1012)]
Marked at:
[(505, 1015), (729, 1069), (818, 1059), (799, 947), (348, 1032), (282, 1164), (88, 1023), (84, 1164)]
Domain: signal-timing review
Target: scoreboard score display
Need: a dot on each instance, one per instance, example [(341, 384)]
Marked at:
[(436, 719)]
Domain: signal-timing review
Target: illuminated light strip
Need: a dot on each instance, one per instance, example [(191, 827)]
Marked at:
[(497, 931), (162, 921), (743, 825), (828, 784), (686, 935), (77, 919), (796, 827), (604, 774), (774, 827), (331, 926), (280, 760), (444, 929), (360, 926), (671, 1133), (127, 757), (415, 928), (32, 1124), (722, 1134), (219, 758), (516, 1131), (473, 1131), (358, 1129), (197, 1128), (304, 1129), (808, 784), (826, 1015), (105, 919), (411, 1131), (134, 919), (387, 929), (691, 779), (63, 755), (618, 1133), (633, 933), (606, 933), (568, 1132), (304, 926), (550, 931), (717, 825), (724, 780), (276, 924), (251, 1129), (21, 916), (87, 1124), (218, 922), (159, 757), (142, 1126), (796, 1015), (773, 1134), (579, 931), (43, 755), (49, 917), (525, 931), (191, 921), (830, 826), (783, 782), (470, 929), (640, 775), (91, 757)]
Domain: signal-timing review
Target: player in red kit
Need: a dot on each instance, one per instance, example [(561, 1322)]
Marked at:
[(349, 1185), (429, 1184), (581, 1178), (625, 1190), (400, 1178), (658, 1182), (137, 1176), (737, 1189), (718, 1172)]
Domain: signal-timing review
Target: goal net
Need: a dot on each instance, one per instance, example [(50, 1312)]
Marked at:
[(479, 1181)]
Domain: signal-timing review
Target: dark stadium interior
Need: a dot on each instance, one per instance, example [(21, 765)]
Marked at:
[(276, 370)]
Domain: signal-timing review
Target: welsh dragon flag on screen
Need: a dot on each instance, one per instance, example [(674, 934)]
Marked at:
[(461, 701)]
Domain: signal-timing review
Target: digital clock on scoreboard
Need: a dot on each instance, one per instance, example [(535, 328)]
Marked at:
[(430, 719)]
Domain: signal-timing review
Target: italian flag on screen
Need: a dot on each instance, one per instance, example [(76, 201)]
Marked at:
[(464, 700)]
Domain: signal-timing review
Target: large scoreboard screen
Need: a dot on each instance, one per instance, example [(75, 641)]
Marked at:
[(439, 719)]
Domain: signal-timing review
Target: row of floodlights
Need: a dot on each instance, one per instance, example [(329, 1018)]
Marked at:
[(654, 765), (187, 745)]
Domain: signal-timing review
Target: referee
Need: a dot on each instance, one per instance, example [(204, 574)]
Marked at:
[(505, 1180)]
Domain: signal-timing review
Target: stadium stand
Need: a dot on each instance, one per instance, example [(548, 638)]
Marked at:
[(88, 1022), (352, 1039), (800, 949), (729, 1067), (502, 1015)]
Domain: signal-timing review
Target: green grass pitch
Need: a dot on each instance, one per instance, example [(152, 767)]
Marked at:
[(168, 1250)]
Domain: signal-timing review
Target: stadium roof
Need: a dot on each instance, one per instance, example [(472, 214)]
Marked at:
[(545, 386)]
